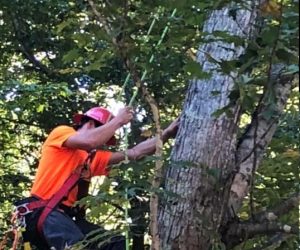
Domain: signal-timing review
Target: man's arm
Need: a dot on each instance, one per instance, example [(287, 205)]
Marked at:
[(146, 147), (94, 138)]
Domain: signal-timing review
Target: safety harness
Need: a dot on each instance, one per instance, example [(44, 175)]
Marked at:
[(80, 175)]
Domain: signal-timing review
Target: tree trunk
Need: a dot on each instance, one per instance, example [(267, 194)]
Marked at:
[(203, 158)]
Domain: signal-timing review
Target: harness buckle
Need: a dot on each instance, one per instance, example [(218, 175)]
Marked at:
[(23, 209)]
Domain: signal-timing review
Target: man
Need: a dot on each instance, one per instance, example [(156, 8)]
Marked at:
[(64, 152)]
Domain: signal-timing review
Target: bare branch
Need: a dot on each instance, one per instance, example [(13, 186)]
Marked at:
[(156, 181), (256, 138), (239, 232), (267, 228), (265, 126), (282, 208), (27, 51), (100, 18), (154, 108), (274, 242), (261, 223)]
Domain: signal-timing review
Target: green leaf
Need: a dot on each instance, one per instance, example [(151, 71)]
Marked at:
[(220, 111), (270, 35), (60, 27), (40, 108), (193, 69), (94, 66), (228, 66), (71, 56)]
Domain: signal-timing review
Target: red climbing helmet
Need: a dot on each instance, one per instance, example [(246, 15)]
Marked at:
[(99, 114)]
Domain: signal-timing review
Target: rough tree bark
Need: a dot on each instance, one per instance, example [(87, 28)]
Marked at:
[(211, 169), (205, 144)]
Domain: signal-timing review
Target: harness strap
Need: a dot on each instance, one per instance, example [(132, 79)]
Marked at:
[(57, 197), (63, 191), (27, 208)]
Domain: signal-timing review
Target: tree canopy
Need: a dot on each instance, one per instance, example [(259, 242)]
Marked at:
[(62, 57)]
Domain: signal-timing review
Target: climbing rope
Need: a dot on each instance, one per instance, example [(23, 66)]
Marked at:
[(131, 104), (16, 229), (155, 18), (152, 56)]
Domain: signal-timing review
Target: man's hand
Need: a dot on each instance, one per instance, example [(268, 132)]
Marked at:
[(146, 147), (172, 129), (124, 115)]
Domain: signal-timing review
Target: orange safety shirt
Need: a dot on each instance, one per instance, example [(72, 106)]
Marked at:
[(58, 162)]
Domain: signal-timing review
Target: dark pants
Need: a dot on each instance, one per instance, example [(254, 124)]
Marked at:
[(61, 231)]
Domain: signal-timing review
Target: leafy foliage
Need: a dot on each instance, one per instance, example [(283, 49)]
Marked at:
[(57, 58)]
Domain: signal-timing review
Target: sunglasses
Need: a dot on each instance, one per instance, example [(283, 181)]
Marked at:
[(97, 124)]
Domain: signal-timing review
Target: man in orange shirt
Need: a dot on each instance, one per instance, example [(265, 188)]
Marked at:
[(65, 149)]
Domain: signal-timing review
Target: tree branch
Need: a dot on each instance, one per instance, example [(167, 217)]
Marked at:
[(156, 181), (261, 223), (283, 208), (100, 18), (154, 108), (27, 51), (274, 242), (256, 138), (239, 232)]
